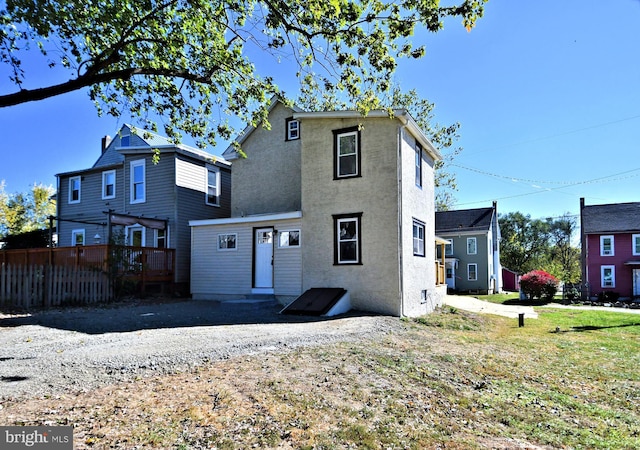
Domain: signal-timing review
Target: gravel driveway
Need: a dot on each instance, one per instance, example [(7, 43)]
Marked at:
[(81, 348)]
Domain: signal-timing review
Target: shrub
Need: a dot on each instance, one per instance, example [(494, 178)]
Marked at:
[(538, 284), (608, 296)]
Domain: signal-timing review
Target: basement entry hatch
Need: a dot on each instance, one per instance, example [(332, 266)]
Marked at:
[(320, 302)]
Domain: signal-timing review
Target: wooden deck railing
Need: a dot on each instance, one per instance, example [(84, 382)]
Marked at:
[(440, 274), (144, 263)]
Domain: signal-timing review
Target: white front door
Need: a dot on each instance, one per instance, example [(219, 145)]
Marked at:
[(263, 263), (636, 282)]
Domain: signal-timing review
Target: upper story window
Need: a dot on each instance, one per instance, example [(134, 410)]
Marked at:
[(108, 184), (74, 189), (635, 242), (607, 246), (418, 238), (213, 186), (472, 246), (137, 184), (418, 165), (346, 143), (347, 243), (448, 248), (293, 129)]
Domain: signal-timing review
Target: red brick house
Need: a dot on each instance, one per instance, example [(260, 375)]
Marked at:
[(610, 237)]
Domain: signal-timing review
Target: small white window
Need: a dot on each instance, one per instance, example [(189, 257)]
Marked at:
[(108, 184), (608, 276), (347, 153), (293, 129), (77, 237), (472, 272), (227, 241), (635, 242), (135, 236), (418, 238), (161, 238), (74, 189), (137, 183), (607, 246), (347, 239), (472, 246), (448, 248), (289, 238), (418, 165), (213, 186)]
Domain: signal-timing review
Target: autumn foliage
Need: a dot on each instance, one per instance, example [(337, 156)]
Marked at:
[(538, 284)]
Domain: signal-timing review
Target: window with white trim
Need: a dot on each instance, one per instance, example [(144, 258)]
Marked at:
[(108, 184), (348, 249), (161, 238), (472, 246), (75, 184), (418, 238), (418, 165), (289, 238), (135, 235), (608, 276), (635, 242), (293, 129), (448, 248), (137, 181), (213, 186), (607, 246), (227, 241), (77, 237), (472, 272), (346, 144)]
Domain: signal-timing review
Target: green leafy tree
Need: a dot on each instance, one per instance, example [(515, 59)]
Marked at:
[(563, 259), (24, 212), (189, 62), (524, 243), (315, 97)]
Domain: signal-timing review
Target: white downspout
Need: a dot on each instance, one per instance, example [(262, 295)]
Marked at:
[(400, 240)]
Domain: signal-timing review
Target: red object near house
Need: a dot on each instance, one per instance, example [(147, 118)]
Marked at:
[(510, 280), (611, 249)]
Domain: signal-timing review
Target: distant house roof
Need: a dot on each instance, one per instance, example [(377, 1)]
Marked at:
[(611, 218), (478, 219)]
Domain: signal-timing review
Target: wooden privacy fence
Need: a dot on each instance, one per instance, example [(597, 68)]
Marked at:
[(43, 286)]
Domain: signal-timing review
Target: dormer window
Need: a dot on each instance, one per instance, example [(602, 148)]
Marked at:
[(293, 129), (125, 135)]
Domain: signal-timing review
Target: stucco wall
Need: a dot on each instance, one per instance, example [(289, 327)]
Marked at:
[(268, 179), (373, 285)]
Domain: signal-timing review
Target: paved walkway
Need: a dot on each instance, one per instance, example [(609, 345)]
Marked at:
[(481, 306)]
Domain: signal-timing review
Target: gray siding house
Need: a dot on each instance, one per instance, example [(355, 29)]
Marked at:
[(472, 253), (326, 200), (156, 199)]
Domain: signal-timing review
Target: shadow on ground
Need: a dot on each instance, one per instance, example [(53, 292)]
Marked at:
[(142, 315)]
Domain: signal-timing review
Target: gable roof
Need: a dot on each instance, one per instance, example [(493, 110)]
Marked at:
[(230, 153), (611, 218), (478, 219), (142, 141)]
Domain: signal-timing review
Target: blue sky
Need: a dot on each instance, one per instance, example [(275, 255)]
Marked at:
[(547, 94)]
